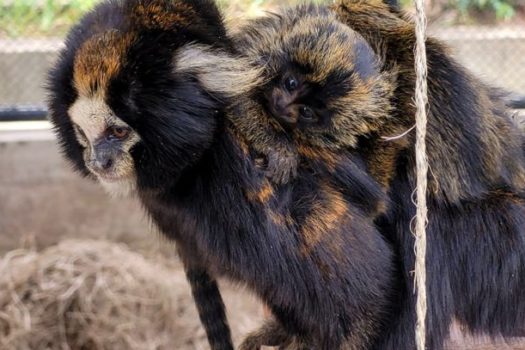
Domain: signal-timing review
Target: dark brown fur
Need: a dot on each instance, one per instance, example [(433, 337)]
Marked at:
[(476, 230), (340, 70), (476, 206), (169, 78)]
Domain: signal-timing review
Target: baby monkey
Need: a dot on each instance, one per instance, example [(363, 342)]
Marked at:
[(323, 90), (323, 87)]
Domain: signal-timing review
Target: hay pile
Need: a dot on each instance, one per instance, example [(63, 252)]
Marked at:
[(90, 295)]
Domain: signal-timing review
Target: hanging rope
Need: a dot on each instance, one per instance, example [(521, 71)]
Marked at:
[(421, 100)]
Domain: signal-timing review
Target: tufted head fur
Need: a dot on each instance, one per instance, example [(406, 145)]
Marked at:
[(155, 72)]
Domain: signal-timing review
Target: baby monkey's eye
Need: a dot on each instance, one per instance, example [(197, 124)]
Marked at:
[(307, 114), (118, 132), (291, 83)]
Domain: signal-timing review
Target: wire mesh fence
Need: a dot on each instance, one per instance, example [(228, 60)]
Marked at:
[(23, 67), (495, 53)]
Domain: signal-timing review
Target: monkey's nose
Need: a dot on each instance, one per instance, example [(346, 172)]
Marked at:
[(102, 164), (288, 117), (280, 100), (281, 104)]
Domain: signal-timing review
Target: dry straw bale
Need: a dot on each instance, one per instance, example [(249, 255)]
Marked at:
[(89, 295)]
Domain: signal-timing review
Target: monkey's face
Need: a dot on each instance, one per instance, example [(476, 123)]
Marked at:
[(107, 142), (137, 94), (291, 100), (325, 83)]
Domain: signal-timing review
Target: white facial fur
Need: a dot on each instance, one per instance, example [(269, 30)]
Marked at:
[(93, 116)]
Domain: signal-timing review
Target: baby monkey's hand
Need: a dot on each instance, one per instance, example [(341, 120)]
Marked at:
[(281, 166)]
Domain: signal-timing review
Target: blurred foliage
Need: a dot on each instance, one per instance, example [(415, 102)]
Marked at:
[(46, 17), (54, 17), (469, 10), (503, 9)]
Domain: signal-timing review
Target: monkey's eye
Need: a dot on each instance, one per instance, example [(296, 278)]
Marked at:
[(118, 132), (307, 114), (291, 83)]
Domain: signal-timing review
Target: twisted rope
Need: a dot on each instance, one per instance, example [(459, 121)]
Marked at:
[(421, 100)]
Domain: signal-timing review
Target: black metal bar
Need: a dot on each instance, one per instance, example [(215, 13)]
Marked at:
[(517, 102), (393, 4), (22, 113), (33, 113)]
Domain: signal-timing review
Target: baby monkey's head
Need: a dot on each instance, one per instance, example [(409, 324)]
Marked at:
[(324, 82)]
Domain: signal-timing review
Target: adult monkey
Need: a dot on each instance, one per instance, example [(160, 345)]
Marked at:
[(476, 230), (115, 71), (138, 102)]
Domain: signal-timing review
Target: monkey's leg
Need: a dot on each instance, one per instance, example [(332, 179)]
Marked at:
[(271, 333), (211, 308)]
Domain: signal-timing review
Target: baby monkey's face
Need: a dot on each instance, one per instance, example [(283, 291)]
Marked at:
[(290, 99), (326, 100), (325, 86)]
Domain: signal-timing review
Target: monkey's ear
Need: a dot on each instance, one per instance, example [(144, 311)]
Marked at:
[(221, 73)]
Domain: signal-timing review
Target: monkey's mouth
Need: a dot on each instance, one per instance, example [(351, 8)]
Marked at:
[(111, 177)]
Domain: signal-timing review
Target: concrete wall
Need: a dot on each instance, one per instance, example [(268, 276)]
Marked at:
[(42, 199)]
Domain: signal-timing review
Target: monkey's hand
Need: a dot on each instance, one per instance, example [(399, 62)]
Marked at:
[(271, 333), (281, 166)]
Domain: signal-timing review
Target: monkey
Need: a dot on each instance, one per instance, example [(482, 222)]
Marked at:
[(123, 50), (477, 172), (322, 90), (322, 86), (476, 212), (140, 101)]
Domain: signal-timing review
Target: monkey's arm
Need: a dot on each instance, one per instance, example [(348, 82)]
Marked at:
[(208, 301), (253, 124)]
